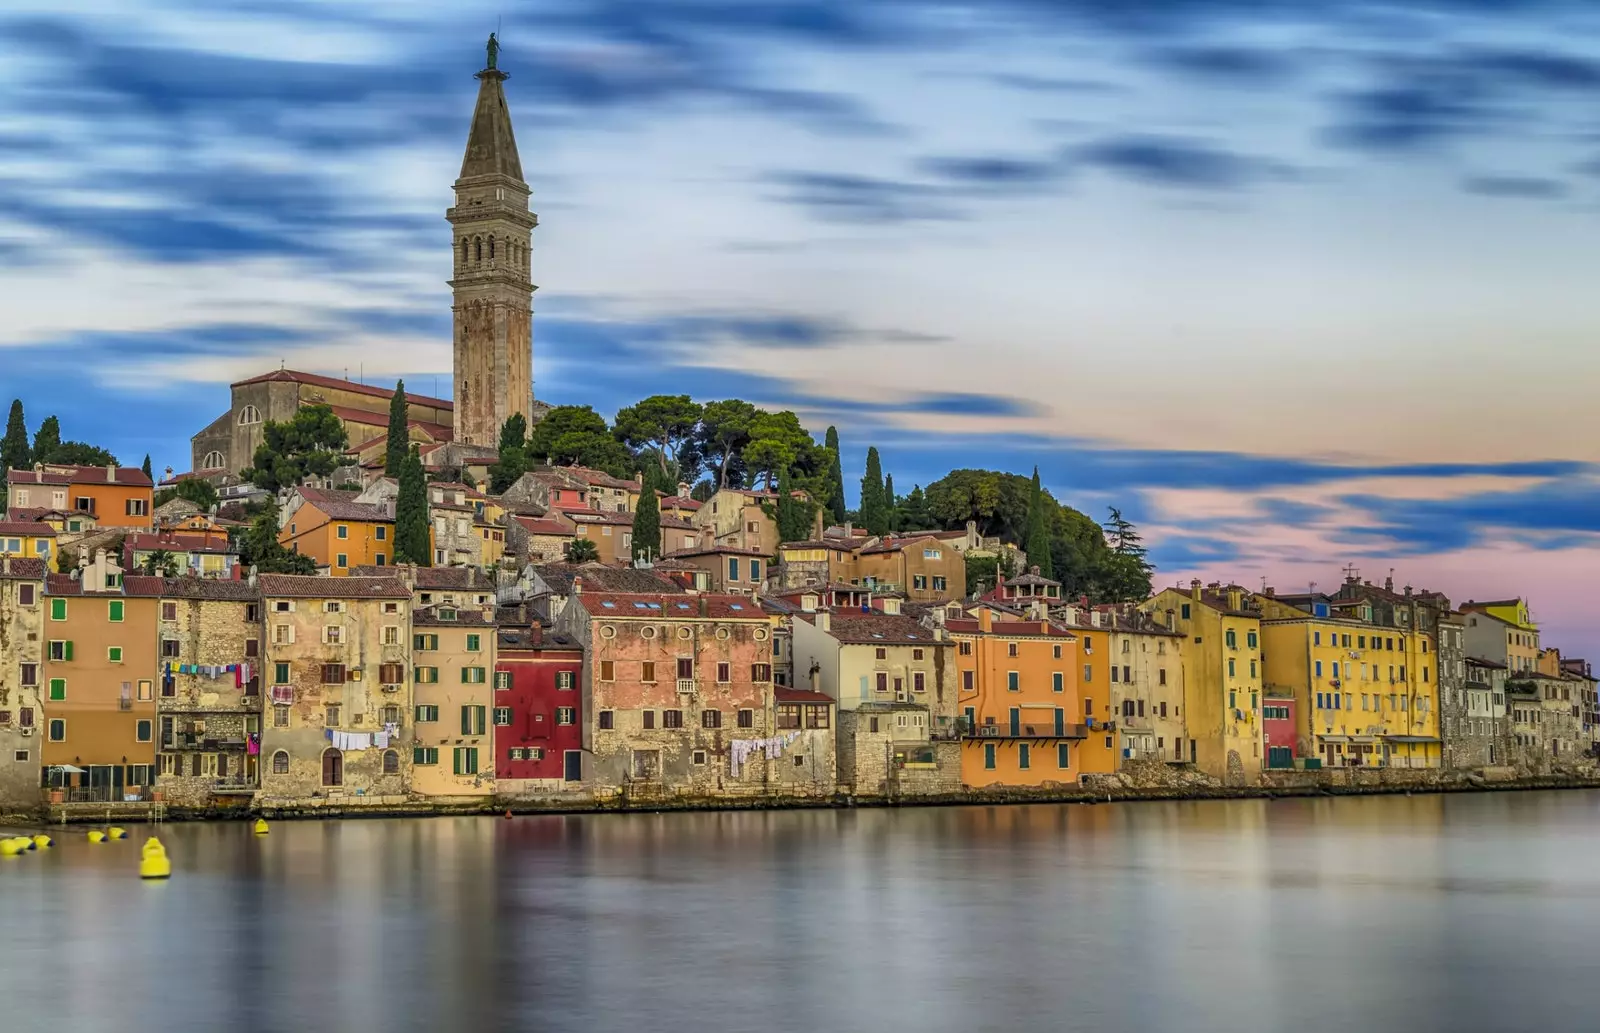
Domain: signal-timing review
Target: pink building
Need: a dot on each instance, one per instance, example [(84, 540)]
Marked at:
[(1277, 729)]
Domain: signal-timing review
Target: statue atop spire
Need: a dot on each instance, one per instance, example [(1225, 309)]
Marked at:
[(493, 48)]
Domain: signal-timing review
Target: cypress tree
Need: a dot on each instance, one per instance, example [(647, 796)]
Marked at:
[(146, 467), (874, 510), (47, 440), (14, 451), (794, 516), (647, 526), (890, 503), (394, 456), (835, 478), (411, 514), (1038, 543), (513, 454)]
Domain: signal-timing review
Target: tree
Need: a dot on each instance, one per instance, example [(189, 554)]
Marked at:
[(66, 560), (724, 431), (14, 451), (874, 507), (777, 442), (647, 527), (513, 462), (146, 467), (890, 502), (311, 444), (582, 550), (411, 514), (796, 517), (46, 440), (663, 423), (1037, 544), (835, 478), (703, 491), (1124, 574), (197, 490), (161, 563), (571, 434), (78, 453), (259, 546), (913, 513), (399, 441), (983, 573)]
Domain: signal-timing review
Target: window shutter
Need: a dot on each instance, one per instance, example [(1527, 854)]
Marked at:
[(455, 760), (466, 727), (69, 649)]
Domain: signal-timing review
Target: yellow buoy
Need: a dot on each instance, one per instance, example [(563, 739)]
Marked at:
[(116, 832), (9, 848), (153, 848), (42, 840), (261, 827), (96, 836), (155, 865)]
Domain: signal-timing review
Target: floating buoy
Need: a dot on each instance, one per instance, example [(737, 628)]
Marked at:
[(508, 812), (96, 836), (154, 864), (116, 832), (260, 827), (9, 848), (42, 840), (153, 848)]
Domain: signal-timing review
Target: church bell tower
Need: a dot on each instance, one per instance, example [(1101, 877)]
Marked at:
[(493, 296)]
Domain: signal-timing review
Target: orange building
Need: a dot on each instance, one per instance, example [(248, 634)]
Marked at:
[(1020, 705), (116, 496), (337, 531)]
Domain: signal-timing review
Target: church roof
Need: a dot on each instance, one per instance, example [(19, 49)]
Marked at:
[(318, 380), (491, 147)]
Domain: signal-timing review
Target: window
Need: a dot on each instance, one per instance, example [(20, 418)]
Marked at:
[(114, 610), (685, 668), (333, 674), (333, 634), (1088, 672), (1114, 678), (710, 719), (426, 756), (502, 716), (918, 683), (1063, 756), (669, 719), (473, 675), (427, 712), (1250, 639), (1230, 639), (391, 674), (1231, 671), (1088, 707), (1252, 668), (608, 670), (967, 681), (988, 756), (569, 715), (919, 581), (58, 730), (391, 634), (724, 672), (280, 763), (146, 689), (565, 679), (1022, 756), (966, 648), (381, 533), (472, 720), (58, 689), (817, 717), (425, 642), (330, 715), (1316, 638), (760, 672), (248, 415), (465, 760), (425, 675), (280, 717), (747, 719), (606, 720), (502, 679), (30, 674), (474, 643), (788, 715), (136, 507), (142, 731), (114, 654), (1013, 681), (169, 648), (649, 718), (1161, 676), (60, 651), (391, 762), (939, 583), (341, 531)]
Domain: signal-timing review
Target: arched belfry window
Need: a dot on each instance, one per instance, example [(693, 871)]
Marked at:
[(478, 245), (491, 248), (249, 414), (463, 250), (213, 461)]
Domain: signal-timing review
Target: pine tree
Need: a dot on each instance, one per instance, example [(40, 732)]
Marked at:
[(146, 467), (835, 478), (14, 451), (647, 526), (411, 514), (913, 513), (1038, 543), (874, 509), (394, 456), (47, 440)]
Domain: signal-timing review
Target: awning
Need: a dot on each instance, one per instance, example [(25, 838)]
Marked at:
[(1334, 738), (1412, 738), (67, 769)]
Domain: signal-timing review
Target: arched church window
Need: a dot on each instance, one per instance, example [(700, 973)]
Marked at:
[(463, 250), (478, 245), (249, 414), (213, 461), (491, 248)]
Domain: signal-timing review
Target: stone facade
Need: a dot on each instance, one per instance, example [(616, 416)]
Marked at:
[(338, 661), (206, 715), (21, 647), (885, 750)]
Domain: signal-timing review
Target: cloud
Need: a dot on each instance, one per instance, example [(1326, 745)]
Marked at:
[(1527, 187), (1178, 162), (1226, 65), (852, 198), (987, 172)]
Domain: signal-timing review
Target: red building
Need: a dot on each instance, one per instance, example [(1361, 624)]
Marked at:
[(1277, 728), (539, 678)]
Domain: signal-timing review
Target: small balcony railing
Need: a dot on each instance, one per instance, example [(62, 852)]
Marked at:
[(1045, 730)]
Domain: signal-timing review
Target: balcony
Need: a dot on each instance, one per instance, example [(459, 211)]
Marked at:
[(1043, 730), (235, 784), (686, 686)]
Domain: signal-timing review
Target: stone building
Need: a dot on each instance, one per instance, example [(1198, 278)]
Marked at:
[(812, 768), (1487, 720), (1503, 631), (21, 658), (454, 708), (208, 707), (1145, 662), (680, 692), (493, 295), (338, 659)]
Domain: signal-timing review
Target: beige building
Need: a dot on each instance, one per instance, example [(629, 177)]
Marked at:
[(337, 665), (454, 680), (740, 518), (1145, 661), (208, 705), (21, 659)]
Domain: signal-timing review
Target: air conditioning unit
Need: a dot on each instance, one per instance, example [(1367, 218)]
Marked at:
[(686, 685), (391, 688), (988, 730), (901, 697)]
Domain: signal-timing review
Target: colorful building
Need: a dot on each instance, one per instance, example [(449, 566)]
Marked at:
[(1280, 731), (22, 608), (337, 531), (203, 555), (731, 569), (115, 496), (456, 712), (1145, 665), (27, 539), (746, 519), (1503, 632), (539, 684), (924, 568)]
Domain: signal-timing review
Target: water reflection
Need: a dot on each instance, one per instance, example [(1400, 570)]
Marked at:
[(1254, 915)]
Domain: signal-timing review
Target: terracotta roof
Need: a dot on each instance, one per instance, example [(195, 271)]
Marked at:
[(787, 695), (656, 606), (1218, 600), (446, 578), (138, 585), (676, 524), (600, 478), (317, 380), (897, 544), (20, 569), (466, 617), (1030, 579), (873, 628), (192, 587), (596, 577), (311, 586), (836, 544), (341, 505), (680, 502), (1473, 661), (126, 476), (968, 626), (176, 543), (716, 550), (831, 586), (583, 516), (362, 417), (30, 527), (537, 525)]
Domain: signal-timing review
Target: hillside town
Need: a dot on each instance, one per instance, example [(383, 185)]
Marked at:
[(359, 597)]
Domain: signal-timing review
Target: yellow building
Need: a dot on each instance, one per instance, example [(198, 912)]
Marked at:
[(30, 539), (1503, 632), (453, 649), (1366, 695), (1221, 676)]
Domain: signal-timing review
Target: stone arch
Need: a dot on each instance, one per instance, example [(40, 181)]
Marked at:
[(214, 460), (332, 767), (280, 763), (391, 762), (249, 414), (491, 247), (477, 245), (463, 250)]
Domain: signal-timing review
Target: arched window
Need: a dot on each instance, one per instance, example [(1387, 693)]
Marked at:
[(214, 460), (478, 245), (280, 763), (249, 414), (491, 247), (391, 762), (463, 249), (332, 767)]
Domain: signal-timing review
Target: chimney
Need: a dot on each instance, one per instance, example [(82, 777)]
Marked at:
[(1408, 591), (1235, 598), (1194, 589), (5, 563), (1094, 618), (1388, 583), (577, 586), (1034, 570), (1036, 610), (985, 620), (111, 473), (824, 621)]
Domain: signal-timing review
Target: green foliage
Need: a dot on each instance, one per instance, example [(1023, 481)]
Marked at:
[(311, 444), (890, 502), (513, 461), (399, 440), (576, 434), (46, 440), (14, 451), (1124, 574), (1037, 544), (777, 444), (796, 518), (192, 489), (647, 527), (703, 491), (666, 424), (146, 467), (874, 505), (835, 477), (161, 563), (77, 453), (259, 546), (411, 514), (983, 573), (912, 512), (724, 431), (582, 550)]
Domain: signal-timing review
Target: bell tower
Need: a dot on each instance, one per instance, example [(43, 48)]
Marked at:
[(493, 296)]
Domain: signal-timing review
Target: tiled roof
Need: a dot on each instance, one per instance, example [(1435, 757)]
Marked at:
[(317, 380), (675, 524), (967, 626), (192, 587), (138, 585), (1218, 600), (311, 586), (582, 516), (29, 527), (881, 629), (898, 544), (21, 569), (680, 502), (1031, 579), (443, 578), (177, 543), (1473, 661), (466, 617), (126, 476), (559, 577), (536, 525), (364, 418), (784, 694), (716, 550), (836, 544), (600, 478), (341, 505), (656, 606)]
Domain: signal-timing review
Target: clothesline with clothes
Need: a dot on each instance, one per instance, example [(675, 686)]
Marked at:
[(741, 750), (362, 740), (242, 673)]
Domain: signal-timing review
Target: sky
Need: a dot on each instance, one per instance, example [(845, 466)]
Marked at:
[(1295, 285)]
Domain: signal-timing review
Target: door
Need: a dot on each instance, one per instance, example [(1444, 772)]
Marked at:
[(572, 766), (332, 767), (1016, 721), (1061, 722)]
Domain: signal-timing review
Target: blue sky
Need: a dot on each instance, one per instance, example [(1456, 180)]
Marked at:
[(1294, 284)]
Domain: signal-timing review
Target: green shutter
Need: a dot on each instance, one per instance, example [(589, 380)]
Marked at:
[(58, 609), (419, 755), (472, 760), (116, 609), (455, 760), (69, 650), (466, 722), (58, 689)]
